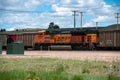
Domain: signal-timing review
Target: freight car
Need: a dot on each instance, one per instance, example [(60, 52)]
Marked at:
[(3, 39), (26, 38), (109, 39)]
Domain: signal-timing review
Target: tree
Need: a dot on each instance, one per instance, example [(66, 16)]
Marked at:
[(56, 27), (3, 30), (53, 26), (17, 30)]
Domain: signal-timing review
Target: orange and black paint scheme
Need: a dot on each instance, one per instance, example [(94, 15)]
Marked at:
[(78, 39)]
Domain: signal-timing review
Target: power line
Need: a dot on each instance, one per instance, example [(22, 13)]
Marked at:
[(29, 11), (96, 25), (32, 11), (117, 17), (74, 14), (11, 10), (81, 15)]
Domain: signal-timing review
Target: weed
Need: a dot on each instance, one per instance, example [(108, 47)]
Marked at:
[(57, 69), (77, 77), (113, 77), (85, 70), (105, 66)]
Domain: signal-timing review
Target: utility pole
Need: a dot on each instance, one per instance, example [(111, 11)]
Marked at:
[(81, 15), (117, 17), (96, 25), (74, 18)]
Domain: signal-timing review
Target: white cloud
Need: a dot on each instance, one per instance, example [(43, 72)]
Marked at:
[(103, 19), (61, 15), (61, 11), (24, 4), (11, 29), (89, 24), (100, 11)]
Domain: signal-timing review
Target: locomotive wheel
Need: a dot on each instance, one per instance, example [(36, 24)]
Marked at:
[(36, 47), (72, 46), (45, 47)]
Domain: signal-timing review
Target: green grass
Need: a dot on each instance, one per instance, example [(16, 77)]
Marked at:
[(57, 69)]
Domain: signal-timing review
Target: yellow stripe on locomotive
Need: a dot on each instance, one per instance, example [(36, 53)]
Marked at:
[(62, 38)]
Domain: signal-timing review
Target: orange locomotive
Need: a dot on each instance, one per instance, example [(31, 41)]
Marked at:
[(78, 39)]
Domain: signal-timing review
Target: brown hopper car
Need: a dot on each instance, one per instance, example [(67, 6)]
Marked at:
[(109, 39), (26, 38)]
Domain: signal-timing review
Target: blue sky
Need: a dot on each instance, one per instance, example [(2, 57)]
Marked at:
[(20, 14)]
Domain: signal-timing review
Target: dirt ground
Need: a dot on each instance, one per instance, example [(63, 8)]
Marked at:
[(75, 55)]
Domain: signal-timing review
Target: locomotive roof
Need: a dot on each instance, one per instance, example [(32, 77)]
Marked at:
[(73, 32), (53, 32), (57, 32), (89, 31), (65, 32), (78, 32)]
